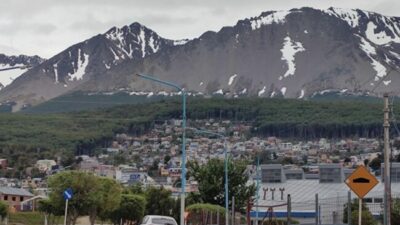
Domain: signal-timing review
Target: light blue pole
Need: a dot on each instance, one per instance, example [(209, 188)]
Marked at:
[(225, 170), (226, 184), (183, 164)]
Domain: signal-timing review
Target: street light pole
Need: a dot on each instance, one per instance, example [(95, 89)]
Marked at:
[(183, 163), (225, 169), (226, 184)]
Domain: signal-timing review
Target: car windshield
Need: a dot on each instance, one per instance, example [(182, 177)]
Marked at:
[(163, 221)]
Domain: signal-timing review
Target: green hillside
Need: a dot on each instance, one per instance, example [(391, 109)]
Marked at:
[(79, 101), (27, 137)]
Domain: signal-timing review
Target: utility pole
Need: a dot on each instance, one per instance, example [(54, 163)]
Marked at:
[(387, 191), (258, 186)]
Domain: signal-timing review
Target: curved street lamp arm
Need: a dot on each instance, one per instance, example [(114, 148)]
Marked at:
[(161, 82)]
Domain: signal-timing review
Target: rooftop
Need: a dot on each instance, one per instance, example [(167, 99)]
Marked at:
[(15, 191)]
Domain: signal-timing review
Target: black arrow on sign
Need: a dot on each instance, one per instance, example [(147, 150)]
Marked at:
[(361, 180)]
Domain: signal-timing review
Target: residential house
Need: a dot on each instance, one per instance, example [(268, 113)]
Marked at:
[(14, 196)]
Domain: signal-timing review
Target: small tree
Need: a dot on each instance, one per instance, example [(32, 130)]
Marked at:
[(130, 211), (200, 213), (85, 187), (106, 200), (49, 210), (159, 201), (211, 179), (3, 209), (367, 218), (396, 210)]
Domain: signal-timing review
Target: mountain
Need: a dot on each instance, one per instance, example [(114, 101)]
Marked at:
[(297, 53), (23, 61), (84, 62)]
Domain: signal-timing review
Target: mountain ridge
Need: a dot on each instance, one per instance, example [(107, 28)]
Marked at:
[(10, 61), (290, 53)]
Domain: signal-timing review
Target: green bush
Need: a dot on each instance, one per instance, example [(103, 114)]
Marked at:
[(3, 209), (366, 217)]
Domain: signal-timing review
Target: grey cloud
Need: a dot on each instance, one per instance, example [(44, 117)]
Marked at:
[(24, 27), (9, 50), (390, 8), (152, 19), (64, 22)]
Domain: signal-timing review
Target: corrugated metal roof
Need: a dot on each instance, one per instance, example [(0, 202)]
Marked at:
[(15, 191)]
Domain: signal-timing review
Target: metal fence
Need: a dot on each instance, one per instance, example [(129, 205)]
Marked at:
[(320, 211)]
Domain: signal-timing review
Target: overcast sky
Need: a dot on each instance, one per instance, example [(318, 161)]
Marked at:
[(46, 27)]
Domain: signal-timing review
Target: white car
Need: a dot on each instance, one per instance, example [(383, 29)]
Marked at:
[(158, 220)]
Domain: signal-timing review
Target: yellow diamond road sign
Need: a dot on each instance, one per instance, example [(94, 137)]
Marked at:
[(361, 181)]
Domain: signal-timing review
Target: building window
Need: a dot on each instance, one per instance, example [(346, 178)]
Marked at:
[(368, 200), (5, 197), (13, 198), (21, 198)]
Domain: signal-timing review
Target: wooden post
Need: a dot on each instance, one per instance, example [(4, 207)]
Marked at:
[(289, 210), (316, 209), (349, 208)]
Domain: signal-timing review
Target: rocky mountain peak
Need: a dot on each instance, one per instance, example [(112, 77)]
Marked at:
[(290, 53), (23, 61)]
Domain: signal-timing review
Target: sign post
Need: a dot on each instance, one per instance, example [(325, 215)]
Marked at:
[(361, 181), (67, 196)]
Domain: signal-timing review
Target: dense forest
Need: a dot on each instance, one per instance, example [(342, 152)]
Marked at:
[(25, 137)]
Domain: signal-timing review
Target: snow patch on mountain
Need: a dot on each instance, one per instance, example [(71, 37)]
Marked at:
[(180, 42), (8, 76), (380, 38), (283, 90), (142, 40), (262, 91), (163, 93), (302, 92), (118, 37), (81, 67), (370, 51), (274, 17), (387, 82), (231, 79), (289, 50), (55, 73), (220, 92), (116, 57), (395, 54), (350, 16), (153, 45)]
